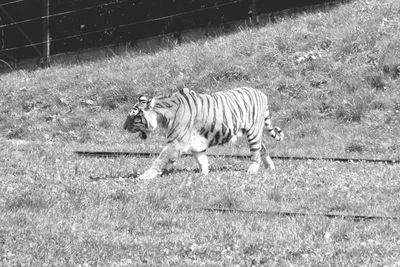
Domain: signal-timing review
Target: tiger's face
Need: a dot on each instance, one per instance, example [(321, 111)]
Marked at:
[(141, 118)]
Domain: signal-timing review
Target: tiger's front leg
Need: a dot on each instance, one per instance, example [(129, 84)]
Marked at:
[(202, 161), (168, 155)]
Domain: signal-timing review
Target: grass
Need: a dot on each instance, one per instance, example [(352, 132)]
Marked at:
[(332, 80), (67, 210)]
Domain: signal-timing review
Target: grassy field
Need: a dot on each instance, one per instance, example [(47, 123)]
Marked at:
[(333, 80), (59, 209)]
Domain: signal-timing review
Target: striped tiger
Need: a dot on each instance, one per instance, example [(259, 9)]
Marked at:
[(195, 122)]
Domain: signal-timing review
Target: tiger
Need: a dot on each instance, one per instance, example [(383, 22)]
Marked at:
[(194, 122)]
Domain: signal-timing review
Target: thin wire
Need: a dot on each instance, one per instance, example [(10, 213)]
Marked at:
[(13, 2), (22, 46), (121, 26), (61, 13), (8, 65)]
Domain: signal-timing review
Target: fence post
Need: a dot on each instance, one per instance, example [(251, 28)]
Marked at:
[(253, 13), (46, 34)]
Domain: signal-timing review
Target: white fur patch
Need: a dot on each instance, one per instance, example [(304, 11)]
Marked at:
[(151, 118), (197, 143), (235, 137)]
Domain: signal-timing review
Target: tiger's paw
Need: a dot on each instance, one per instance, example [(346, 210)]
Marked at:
[(204, 171), (253, 169), (149, 174)]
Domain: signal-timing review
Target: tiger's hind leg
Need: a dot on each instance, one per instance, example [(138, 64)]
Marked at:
[(268, 163), (255, 148)]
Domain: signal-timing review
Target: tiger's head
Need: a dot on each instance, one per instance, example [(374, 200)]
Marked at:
[(142, 118)]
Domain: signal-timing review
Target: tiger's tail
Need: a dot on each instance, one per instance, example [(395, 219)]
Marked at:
[(274, 132)]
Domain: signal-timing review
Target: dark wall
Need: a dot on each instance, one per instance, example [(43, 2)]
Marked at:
[(80, 24)]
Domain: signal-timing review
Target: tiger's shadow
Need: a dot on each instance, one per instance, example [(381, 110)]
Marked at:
[(197, 171)]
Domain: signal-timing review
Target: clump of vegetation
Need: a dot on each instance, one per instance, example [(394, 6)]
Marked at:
[(350, 111), (226, 201), (355, 146)]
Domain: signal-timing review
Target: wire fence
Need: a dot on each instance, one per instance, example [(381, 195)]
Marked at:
[(82, 34), (73, 28)]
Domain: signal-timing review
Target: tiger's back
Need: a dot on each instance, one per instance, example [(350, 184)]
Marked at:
[(220, 116)]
